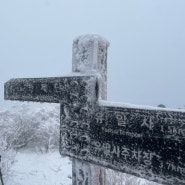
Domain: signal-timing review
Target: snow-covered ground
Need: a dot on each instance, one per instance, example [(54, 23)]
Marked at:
[(32, 168), (40, 169)]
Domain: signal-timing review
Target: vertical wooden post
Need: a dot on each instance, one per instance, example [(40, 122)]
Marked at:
[(90, 57)]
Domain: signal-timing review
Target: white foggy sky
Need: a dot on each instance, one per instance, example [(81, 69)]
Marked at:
[(146, 57)]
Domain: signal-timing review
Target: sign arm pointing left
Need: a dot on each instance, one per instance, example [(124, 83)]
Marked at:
[(71, 89)]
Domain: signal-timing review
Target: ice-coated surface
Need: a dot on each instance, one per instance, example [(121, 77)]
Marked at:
[(87, 50), (90, 57), (146, 143), (71, 89), (133, 106)]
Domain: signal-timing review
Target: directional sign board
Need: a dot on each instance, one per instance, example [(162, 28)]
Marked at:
[(72, 89), (146, 143)]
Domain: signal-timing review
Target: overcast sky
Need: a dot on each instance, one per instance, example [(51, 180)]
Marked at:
[(146, 57)]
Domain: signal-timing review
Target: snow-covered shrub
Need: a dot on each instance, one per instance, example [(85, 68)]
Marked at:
[(17, 127), (22, 133), (47, 138), (47, 134), (7, 158), (27, 126)]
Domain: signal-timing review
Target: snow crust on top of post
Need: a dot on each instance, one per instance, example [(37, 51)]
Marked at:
[(90, 57), (86, 52)]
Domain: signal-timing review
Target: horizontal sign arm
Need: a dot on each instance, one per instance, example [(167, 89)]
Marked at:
[(72, 89), (146, 143)]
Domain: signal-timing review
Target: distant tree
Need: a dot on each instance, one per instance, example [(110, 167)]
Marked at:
[(161, 105)]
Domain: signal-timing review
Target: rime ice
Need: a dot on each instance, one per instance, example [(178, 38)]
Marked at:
[(147, 143)]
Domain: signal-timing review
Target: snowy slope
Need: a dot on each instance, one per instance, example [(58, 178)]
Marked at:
[(40, 169)]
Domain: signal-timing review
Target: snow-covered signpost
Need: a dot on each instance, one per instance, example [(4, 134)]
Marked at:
[(145, 142)]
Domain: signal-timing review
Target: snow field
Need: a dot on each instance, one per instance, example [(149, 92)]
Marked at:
[(40, 169)]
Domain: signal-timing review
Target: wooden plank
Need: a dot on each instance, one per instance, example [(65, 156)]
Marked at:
[(74, 89), (141, 122), (145, 143)]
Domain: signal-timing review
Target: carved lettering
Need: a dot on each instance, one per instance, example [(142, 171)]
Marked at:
[(175, 168)]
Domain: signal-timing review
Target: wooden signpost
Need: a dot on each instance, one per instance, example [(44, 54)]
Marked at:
[(148, 143)]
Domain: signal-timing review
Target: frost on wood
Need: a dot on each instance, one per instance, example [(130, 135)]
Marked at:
[(133, 106), (145, 143), (90, 56), (79, 89), (81, 177)]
